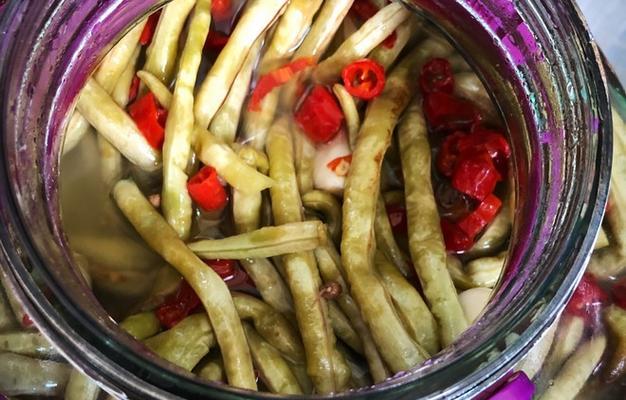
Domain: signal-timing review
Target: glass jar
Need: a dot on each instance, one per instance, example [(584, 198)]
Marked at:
[(535, 57)]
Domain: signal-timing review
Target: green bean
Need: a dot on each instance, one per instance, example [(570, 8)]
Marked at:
[(95, 104), (401, 352), (271, 325), (213, 369), (291, 27), (385, 240), (299, 370), (486, 271), (329, 262), (496, 234), (7, 319), (385, 55), (615, 317), (393, 197), (326, 204), (160, 91), (426, 244), (373, 32), (166, 282), (458, 63), (32, 344), (359, 375), (534, 359), (210, 288), (572, 377), (468, 86), (273, 369), (269, 241), (316, 42), (304, 155), (121, 91), (343, 328), (30, 377), (162, 52), (77, 128), (247, 206), (15, 305), (141, 326), (115, 252), (81, 387), (413, 311), (269, 283), (211, 151), (323, 364), (602, 240), (175, 200), (186, 343), (256, 18), (350, 112), (226, 121)]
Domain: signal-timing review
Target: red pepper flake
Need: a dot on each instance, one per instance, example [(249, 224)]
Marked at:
[(436, 76), (26, 321), (446, 113), (224, 268), (364, 79), (206, 190), (215, 40), (475, 175), (278, 77), (493, 142), (397, 218), (587, 299), (390, 41), (319, 115), (619, 293), (340, 165), (476, 221), (178, 306), (456, 240), (150, 118), (148, 30), (134, 89), (221, 10)]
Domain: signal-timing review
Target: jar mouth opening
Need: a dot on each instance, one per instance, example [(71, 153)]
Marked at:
[(535, 105)]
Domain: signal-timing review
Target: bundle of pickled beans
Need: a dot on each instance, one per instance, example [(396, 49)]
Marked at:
[(294, 196)]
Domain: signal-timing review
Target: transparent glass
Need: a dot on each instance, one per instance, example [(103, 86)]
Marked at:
[(535, 57)]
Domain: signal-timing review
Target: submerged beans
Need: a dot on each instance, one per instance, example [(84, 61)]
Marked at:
[(162, 52), (343, 328), (323, 361), (415, 314), (160, 91), (32, 344), (256, 18), (30, 377), (110, 120), (186, 343), (359, 209), (386, 56), (81, 387), (175, 200), (274, 370), (328, 205), (141, 326), (77, 128), (209, 287), (121, 91), (373, 32), (426, 244), (269, 241), (7, 319)]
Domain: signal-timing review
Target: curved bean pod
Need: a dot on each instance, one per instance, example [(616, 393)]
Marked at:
[(326, 204), (350, 112), (141, 326), (160, 91)]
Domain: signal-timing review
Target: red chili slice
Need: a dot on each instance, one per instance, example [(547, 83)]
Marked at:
[(149, 117), (476, 221), (278, 77), (436, 76), (587, 299), (397, 219), (364, 79), (319, 115), (134, 89), (456, 240), (221, 9), (207, 191), (619, 293), (26, 321), (449, 153), (178, 306), (224, 268), (148, 30), (446, 113), (340, 165), (475, 175), (493, 142)]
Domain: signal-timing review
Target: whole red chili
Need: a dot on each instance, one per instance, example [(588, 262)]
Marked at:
[(150, 118), (587, 299), (364, 79), (446, 113), (177, 306), (478, 219), (456, 240), (397, 218), (319, 115), (475, 175), (207, 191), (436, 76), (134, 89)]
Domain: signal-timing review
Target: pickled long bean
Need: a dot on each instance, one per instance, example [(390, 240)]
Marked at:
[(343, 328), (81, 387), (210, 288), (326, 204), (426, 244), (141, 326), (32, 344), (348, 105), (160, 91), (27, 376)]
